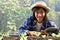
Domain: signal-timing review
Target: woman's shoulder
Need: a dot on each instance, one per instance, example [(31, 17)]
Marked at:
[(30, 18), (52, 22), (30, 21)]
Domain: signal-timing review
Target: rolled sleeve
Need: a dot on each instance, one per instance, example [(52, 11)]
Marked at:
[(21, 31)]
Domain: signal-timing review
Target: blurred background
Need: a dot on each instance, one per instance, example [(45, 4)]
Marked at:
[(14, 12)]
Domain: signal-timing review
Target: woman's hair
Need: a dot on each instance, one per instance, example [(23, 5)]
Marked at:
[(45, 19)]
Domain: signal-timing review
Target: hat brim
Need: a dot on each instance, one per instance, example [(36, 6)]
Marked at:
[(45, 7)]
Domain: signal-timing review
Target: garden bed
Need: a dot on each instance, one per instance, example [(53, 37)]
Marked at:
[(32, 38)]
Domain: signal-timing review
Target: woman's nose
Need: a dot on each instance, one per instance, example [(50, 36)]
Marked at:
[(39, 14)]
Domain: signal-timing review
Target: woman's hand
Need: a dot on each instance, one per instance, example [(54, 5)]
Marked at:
[(31, 33), (43, 32)]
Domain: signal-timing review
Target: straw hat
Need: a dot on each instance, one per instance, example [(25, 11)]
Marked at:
[(42, 5)]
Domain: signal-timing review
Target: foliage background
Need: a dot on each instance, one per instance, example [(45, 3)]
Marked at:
[(14, 12)]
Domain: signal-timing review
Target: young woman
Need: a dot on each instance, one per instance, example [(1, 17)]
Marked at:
[(38, 21)]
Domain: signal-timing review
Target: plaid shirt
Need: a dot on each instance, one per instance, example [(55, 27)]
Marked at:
[(30, 25)]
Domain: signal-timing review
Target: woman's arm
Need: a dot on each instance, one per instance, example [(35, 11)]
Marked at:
[(24, 28)]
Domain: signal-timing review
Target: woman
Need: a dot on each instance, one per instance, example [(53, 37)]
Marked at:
[(38, 21)]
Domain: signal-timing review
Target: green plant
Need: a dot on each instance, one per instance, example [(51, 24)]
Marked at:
[(38, 34), (23, 36)]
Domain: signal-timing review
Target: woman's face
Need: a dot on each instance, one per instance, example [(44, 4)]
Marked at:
[(39, 14)]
